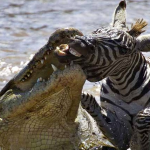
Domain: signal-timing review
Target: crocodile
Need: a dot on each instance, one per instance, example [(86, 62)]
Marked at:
[(37, 106), (40, 107)]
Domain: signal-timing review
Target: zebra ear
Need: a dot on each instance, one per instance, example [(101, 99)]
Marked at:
[(119, 17), (137, 28), (143, 43)]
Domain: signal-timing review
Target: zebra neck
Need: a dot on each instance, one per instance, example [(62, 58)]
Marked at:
[(130, 77)]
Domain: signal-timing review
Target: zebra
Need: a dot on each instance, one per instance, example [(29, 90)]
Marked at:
[(113, 54)]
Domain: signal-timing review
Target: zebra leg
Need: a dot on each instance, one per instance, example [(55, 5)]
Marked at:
[(141, 136), (117, 131)]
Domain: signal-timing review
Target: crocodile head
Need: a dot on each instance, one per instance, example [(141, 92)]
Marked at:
[(42, 65)]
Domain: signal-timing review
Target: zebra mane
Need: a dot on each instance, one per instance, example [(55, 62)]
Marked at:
[(136, 29)]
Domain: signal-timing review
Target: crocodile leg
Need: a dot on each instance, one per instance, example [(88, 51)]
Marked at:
[(117, 132), (141, 136)]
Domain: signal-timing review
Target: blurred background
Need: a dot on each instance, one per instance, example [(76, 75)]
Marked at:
[(25, 26)]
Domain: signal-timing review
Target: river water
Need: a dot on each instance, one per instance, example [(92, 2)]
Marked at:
[(25, 26)]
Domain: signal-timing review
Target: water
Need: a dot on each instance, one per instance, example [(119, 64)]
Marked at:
[(25, 26)]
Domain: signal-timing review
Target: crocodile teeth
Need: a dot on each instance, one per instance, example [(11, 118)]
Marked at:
[(31, 71), (74, 52), (39, 79), (54, 67), (28, 75), (48, 53), (42, 61), (45, 57)]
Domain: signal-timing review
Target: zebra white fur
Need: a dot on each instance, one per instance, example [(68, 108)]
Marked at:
[(114, 54)]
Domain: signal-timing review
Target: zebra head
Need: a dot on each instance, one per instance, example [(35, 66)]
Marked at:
[(106, 51)]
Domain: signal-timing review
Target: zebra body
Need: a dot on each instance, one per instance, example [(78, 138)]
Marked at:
[(125, 92), (114, 55), (117, 96)]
